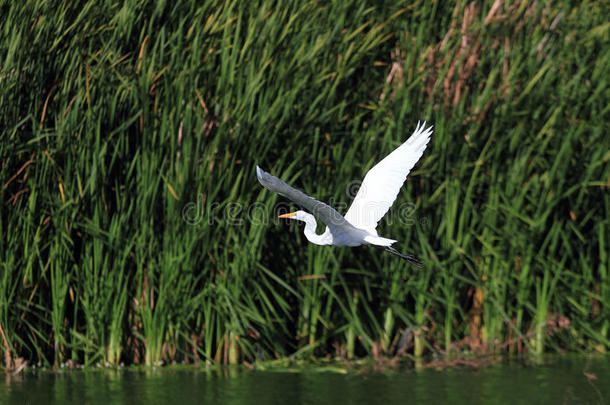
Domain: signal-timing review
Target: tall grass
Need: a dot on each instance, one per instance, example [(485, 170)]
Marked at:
[(133, 230)]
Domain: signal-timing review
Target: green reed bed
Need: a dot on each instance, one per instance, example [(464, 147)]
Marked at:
[(133, 229)]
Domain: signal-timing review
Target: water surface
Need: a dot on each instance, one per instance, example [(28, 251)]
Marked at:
[(559, 381)]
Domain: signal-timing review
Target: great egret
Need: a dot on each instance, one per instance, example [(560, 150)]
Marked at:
[(374, 198)]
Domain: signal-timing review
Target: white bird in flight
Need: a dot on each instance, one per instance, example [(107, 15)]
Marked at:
[(374, 198)]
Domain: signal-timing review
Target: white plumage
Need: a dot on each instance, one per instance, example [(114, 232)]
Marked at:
[(377, 192)]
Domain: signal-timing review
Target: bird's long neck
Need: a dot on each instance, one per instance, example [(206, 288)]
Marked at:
[(312, 236)]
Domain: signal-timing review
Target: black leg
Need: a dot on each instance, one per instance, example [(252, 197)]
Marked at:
[(410, 258)]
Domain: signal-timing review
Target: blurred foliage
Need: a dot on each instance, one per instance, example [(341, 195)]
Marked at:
[(133, 228)]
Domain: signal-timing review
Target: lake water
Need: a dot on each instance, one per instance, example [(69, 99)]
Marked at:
[(558, 381)]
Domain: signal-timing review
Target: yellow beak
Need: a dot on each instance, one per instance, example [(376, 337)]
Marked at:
[(289, 215)]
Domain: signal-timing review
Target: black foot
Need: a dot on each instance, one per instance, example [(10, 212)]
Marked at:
[(410, 258)]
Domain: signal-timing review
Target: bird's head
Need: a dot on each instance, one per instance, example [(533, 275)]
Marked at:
[(298, 215)]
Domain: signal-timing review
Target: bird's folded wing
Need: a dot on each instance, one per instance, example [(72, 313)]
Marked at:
[(383, 182), (324, 212)]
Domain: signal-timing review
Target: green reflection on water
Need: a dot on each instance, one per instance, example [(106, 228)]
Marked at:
[(558, 381)]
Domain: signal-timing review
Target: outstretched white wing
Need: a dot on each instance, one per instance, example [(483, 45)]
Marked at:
[(324, 212), (383, 182)]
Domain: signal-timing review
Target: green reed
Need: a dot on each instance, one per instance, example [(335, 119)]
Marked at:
[(133, 229)]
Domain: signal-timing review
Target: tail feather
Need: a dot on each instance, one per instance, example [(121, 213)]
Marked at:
[(410, 258)]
